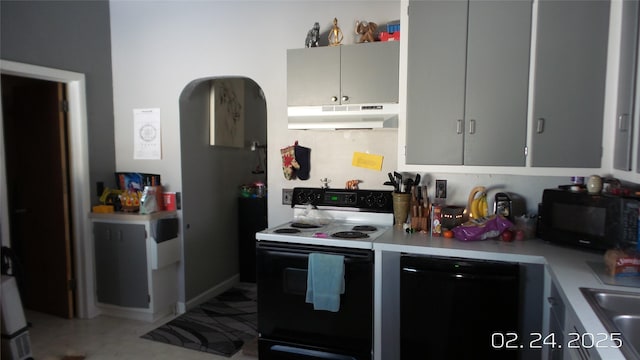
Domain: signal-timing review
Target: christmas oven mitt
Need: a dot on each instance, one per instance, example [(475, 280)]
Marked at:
[(289, 163)]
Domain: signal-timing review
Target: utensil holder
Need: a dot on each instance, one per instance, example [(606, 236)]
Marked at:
[(401, 203)]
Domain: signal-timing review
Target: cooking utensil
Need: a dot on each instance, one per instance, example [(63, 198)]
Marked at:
[(393, 182), (408, 184), (398, 180)]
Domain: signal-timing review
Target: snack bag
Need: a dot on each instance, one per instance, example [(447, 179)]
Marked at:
[(481, 229)]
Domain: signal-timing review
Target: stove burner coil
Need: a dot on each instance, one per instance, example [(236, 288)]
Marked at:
[(349, 235), (364, 228), (304, 225), (286, 231)]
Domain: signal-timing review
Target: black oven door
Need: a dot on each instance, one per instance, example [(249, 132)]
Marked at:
[(290, 328)]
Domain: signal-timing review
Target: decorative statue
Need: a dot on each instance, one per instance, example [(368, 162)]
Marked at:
[(313, 36), (335, 35), (367, 30)]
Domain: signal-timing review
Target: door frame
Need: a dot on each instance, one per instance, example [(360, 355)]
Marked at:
[(80, 190)]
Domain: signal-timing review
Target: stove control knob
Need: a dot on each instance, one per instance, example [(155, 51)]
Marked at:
[(351, 199), (370, 201), (301, 198), (310, 198), (381, 201)]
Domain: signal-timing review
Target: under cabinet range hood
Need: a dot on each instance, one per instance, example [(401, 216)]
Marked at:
[(326, 117)]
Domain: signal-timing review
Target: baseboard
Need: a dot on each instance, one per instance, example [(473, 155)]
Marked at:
[(212, 292)]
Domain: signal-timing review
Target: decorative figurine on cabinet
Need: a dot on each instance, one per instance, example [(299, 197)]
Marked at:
[(335, 35), (366, 30), (313, 35)]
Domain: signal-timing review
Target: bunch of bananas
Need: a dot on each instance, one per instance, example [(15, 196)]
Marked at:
[(477, 206)]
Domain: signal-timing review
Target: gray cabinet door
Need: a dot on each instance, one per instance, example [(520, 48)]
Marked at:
[(467, 83), (571, 56), (497, 88), (351, 74), (370, 72), (313, 76), (436, 82), (626, 86), (121, 264)]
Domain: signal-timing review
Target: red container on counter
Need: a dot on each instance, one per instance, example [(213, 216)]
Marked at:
[(169, 200)]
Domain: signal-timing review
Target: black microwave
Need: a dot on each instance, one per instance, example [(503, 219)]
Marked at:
[(596, 221)]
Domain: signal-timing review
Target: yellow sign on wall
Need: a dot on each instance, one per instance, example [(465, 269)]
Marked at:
[(367, 161)]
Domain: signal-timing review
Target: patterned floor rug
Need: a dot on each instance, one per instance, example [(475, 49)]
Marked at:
[(220, 326)]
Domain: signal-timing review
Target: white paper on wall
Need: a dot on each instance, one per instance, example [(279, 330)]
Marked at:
[(147, 140)]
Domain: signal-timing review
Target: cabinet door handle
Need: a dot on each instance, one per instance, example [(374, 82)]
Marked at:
[(334, 99), (472, 126), (459, 126), (345, 98), (540, 125), (623, 123)]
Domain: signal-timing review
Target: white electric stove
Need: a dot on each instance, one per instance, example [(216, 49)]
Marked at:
[(331, 222), (335, 217)]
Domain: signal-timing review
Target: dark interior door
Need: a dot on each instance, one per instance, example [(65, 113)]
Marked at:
[(38, 191)]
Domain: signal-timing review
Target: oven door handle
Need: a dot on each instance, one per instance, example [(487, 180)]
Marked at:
[(311, 354), (349, 256)]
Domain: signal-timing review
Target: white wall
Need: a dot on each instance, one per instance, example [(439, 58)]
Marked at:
[(160, 46)]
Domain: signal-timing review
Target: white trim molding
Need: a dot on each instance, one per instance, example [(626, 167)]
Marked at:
[(79, 174)]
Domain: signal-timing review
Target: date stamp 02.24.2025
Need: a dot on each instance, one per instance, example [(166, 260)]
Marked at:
[(573, 340)]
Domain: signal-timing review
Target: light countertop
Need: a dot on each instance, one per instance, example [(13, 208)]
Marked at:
[(568, 267), (121, 216)]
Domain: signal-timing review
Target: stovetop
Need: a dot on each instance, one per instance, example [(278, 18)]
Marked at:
[(344, 218), (342, 234)]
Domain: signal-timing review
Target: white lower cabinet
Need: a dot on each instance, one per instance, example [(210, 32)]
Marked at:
[(575, 333), (568, 332)]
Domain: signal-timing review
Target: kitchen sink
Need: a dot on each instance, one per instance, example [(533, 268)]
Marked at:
[(619, 311), (629, 324)]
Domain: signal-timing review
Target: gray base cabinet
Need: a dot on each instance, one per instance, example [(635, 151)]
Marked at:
[(121, 264), (467, 85), (556, 322), (136, 264), (570, 69), (348, 74)]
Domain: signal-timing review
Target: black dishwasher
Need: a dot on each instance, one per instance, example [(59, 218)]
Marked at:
[(451, 307)]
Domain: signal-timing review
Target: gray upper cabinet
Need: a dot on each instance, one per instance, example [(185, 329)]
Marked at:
[(626, 86), (467, 82), (570, 69), (348, 74), (436, 82)]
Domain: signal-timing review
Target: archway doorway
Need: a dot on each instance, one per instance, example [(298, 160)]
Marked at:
[(213, 173)]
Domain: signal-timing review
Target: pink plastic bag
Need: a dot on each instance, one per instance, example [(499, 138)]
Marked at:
[(481, 229)]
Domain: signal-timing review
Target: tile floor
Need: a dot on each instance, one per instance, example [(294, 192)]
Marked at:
[(104, 337)]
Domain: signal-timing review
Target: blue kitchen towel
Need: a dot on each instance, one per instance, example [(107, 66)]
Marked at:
[(325, 281)]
